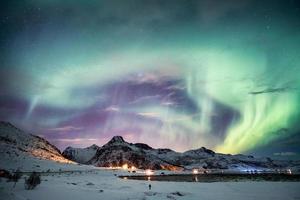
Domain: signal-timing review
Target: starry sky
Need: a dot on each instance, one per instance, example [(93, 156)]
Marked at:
[(174, 74)]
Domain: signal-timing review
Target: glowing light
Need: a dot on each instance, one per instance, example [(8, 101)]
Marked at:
[(195, 171), (149, 172), (125, 166)]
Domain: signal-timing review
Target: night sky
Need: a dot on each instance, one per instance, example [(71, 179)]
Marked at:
[(172, 74)]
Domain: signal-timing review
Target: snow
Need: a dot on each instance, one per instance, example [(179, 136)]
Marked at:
[(80, 155), (12, 159), (77, 182), (16, 144), (103, 184)]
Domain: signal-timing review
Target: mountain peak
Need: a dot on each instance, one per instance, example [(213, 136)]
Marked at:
[(116, 140), (6, 124), (205, 150), (93, 146), (8, 127)]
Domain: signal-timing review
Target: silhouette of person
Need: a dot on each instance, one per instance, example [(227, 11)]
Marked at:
[(150, 186)]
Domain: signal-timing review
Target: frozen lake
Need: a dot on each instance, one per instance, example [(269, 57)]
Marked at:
[(217, 177)]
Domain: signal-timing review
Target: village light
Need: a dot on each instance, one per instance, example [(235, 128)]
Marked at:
[(149, 172), (195, 171), (125, 166)]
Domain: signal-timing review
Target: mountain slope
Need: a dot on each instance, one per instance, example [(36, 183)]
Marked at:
[(118, 152), (16, 145), (80, 155)]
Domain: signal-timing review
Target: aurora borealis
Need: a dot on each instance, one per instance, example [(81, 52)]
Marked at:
[(173, 74)]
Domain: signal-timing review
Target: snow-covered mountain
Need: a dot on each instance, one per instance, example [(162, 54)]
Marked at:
[(17, 147), (118, 152), (80, 155)]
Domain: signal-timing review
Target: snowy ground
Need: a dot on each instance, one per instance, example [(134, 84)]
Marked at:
[(103, 184)]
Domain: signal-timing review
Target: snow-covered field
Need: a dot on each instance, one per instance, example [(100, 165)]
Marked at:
[(103, 184)]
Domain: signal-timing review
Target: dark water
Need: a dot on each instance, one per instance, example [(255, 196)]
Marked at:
[(218, 177)]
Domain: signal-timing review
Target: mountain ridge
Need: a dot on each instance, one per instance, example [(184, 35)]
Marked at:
[(118, 152), (16, 144)]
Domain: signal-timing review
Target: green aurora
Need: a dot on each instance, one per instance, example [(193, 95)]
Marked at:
[(241, 55)]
